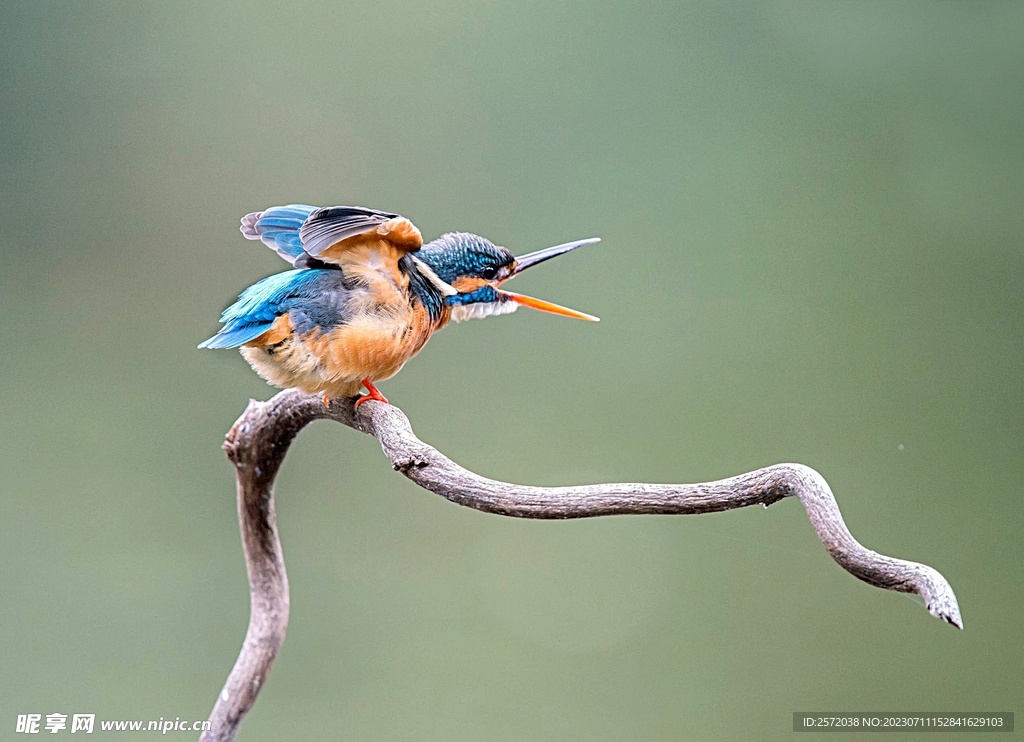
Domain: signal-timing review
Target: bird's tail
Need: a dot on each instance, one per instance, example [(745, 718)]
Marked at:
[(278, 228)]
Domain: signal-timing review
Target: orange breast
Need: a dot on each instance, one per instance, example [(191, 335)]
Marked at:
[(372, 347)]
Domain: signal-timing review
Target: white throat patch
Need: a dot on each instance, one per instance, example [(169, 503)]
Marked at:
[(482, 309)]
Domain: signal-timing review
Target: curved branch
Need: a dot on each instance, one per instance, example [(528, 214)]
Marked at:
[(259, 440)]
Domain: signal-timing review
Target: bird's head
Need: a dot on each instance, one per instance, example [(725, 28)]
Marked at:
[(476, 268)]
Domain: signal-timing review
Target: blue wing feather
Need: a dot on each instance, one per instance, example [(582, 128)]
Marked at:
[(315, 298), (234, 337), (278, 228)]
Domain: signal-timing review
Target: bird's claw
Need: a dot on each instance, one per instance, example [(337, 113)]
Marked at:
[(372, 393), (378, 397)]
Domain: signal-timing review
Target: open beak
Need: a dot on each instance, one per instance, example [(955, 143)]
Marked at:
[(534, 258)]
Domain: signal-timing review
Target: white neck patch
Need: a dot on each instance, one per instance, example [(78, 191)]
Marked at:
[(482, 309), (445, 288)]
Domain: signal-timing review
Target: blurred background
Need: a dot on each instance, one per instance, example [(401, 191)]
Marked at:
[(812, 251)]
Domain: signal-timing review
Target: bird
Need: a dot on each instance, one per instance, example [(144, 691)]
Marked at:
[(364, 295)]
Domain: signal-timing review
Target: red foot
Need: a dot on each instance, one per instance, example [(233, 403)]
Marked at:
[(374, 393), (327, 400)]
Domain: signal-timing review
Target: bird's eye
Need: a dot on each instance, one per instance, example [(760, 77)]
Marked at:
[(488, 273)]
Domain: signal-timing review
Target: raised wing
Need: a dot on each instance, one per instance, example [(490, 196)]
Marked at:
[(325, 229), (298, 232)]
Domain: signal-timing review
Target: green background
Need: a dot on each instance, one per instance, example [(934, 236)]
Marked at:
[(812, 251)]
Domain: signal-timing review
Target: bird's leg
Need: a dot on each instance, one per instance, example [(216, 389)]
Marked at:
[(327, 400), (374, 393)]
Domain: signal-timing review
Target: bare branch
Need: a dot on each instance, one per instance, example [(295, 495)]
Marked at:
[(259, 440)]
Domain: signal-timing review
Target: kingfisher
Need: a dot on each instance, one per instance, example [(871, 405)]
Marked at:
[(364, 295)]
